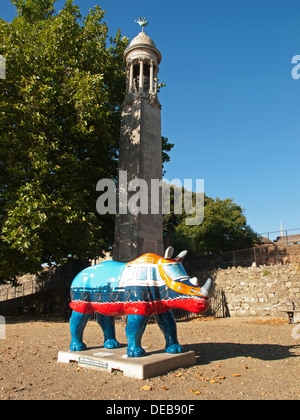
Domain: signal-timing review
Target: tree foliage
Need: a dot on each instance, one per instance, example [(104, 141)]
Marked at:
[(166, 148), (59, 123), (224, 229), (60, 112)]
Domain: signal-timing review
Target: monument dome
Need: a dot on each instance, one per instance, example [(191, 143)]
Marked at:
[(142, 60), (142, 44), (142, 38)]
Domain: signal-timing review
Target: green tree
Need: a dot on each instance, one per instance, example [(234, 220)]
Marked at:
[(173, 219), (166, 148), (60, 112), (224, 229), (59, 122)]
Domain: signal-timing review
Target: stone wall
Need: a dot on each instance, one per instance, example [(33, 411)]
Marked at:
[(259, 291), (46, 293), (254, 282), (255, 291)]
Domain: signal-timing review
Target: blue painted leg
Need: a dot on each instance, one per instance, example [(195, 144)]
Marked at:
[(107, 323), (167, 324), (77, 325), (135, 328)]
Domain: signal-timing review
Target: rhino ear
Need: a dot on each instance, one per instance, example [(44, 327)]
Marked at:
[(195, 281), (181, 256), (169, 253)]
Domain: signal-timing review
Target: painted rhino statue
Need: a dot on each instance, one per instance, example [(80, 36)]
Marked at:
[(148, 285)]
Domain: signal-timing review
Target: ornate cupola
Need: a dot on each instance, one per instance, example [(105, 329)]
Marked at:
[(142, 60)]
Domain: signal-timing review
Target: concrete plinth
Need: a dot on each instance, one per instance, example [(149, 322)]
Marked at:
[(156, 361)]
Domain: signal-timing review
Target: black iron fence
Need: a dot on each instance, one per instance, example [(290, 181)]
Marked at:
[(281, 237), (28, 287), (260, 255)]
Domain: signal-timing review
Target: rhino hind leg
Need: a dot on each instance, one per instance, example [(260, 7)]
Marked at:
[(167, 324), (107, 323), (78, 322), (135, 328)]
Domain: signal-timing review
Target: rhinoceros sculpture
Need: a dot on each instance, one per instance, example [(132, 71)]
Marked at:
[(148, 285)]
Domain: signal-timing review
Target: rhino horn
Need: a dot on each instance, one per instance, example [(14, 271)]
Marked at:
[(169, 253), (205, 290), (181, 256)]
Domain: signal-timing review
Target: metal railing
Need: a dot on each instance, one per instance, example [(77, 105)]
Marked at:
[(282, 237), (28, 287)]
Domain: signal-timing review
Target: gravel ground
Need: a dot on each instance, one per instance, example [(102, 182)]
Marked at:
[(237, 358)]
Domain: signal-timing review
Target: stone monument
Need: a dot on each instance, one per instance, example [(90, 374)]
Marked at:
[(140, 152)]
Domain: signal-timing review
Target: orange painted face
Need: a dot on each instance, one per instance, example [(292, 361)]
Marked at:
[(173, 274)]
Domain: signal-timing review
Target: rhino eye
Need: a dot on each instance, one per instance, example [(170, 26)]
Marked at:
[(175, 271)]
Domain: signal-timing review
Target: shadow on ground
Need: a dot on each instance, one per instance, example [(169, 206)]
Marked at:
[(209, 352)]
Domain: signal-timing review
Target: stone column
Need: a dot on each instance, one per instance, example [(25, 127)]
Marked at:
[(155, 86), (131, 77), (141, 84), (151, 76)]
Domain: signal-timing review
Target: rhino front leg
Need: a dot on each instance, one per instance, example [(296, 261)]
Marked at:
[(135, 328), (77, 325), (107, 323), (167, 324)]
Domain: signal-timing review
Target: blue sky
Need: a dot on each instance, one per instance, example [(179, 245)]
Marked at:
[(230, 104)]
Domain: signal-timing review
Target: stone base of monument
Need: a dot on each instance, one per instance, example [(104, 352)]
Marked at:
[(156, 362)]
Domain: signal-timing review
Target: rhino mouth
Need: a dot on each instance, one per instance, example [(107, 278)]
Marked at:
[(195, 304)]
